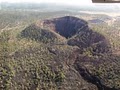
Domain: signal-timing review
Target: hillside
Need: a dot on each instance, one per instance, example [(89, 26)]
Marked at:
[(75, 30), (61, 53)]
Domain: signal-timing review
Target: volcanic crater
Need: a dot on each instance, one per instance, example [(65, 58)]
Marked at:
[(75, 30)]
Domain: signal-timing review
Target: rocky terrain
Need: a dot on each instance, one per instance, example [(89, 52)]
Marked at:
[(84, 55), (52, 51)]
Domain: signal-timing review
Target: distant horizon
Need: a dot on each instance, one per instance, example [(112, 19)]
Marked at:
[(64, 2), (73, 3), (61, 2)]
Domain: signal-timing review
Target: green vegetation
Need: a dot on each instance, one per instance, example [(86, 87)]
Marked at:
[(33, 59)]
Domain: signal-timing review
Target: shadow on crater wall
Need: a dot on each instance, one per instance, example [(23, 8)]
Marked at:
[(76, 31)]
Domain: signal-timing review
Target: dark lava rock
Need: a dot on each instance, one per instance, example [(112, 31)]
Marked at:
[(66, 26), (77, 32)]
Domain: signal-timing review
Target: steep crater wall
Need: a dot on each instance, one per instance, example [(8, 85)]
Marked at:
[(66, 26), (75, 30)]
